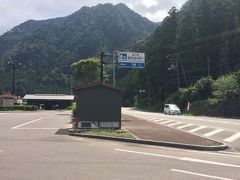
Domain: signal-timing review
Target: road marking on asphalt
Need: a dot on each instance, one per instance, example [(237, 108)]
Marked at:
[(181, 158), (197, 129), (226, 154), (1, 150), (184, 126), (198, 174), (26, 123), (39, 128), (213, 132), (233, 137), (173, 124), (160, 120), (153, 119), (165, 122), (209, 120)]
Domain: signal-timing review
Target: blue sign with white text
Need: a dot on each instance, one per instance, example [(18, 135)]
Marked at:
[(131, 60), (131, 65)]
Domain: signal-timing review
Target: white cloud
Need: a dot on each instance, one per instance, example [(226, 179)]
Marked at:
[(14, 12), (149, 3), (157, 16)]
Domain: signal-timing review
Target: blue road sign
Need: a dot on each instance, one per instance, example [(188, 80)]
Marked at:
[(131, 60)]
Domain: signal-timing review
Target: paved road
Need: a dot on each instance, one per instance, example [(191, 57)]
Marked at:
[(220, 129), (34, 146)]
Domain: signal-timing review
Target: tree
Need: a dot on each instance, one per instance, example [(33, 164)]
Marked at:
[(1, 90), (87, 70)]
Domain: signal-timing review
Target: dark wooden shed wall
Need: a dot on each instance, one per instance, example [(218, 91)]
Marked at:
[(99, 104)]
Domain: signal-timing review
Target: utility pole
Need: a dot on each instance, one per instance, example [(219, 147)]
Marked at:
[(175, 66), (101, 68), (13, 67), (102, 62)]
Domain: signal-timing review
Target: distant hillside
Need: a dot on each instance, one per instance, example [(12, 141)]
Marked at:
[(46, 48)]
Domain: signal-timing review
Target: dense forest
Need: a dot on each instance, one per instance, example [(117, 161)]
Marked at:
[(202, 39), (47, 48), (192, 56)]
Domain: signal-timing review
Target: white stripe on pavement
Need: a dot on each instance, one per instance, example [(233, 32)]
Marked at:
[(181, 158), (165, 122), (160, 120), (153, 119), (198, 128), (198, 174), (184, 126), (213, 132), (233, 137), (38, 128), (176, 123), (26, 123)]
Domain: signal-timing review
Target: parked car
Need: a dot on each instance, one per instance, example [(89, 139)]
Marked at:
[(171, 109)]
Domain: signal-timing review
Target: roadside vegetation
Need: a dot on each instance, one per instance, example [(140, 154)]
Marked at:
[(19, 108), (110, 133), (191, 56), (220, 97)]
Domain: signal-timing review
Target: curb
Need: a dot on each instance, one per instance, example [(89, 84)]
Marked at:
[(149, 142)]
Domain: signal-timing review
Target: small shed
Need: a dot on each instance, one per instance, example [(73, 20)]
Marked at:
[(7, 99), (98, 106)]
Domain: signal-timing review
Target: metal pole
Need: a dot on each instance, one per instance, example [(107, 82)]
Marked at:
[(13, 79), (71, 85), (178, 75), (101, 71), (114, 72)]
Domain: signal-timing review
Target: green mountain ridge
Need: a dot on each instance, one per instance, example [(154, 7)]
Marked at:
[(46, 48)]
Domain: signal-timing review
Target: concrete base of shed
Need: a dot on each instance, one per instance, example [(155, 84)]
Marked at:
[(94, 125)]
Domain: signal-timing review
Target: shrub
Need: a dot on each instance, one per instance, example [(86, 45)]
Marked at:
[(226, 87), (202, 89), (142, 102), (19, 107), (181, 97)]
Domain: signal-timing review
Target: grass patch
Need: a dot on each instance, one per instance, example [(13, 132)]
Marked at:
[(110, 133)]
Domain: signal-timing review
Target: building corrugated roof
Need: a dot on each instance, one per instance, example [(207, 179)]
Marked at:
[(48, 97)]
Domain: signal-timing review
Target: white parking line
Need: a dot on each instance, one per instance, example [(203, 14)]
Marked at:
[(184, 126), (213, 132), (181, 158), (26, 123), (153, 119), (233, 137), (160, 120), (165, 122), (39, 128), (198, 174), (198, 128), (1, 150), (173, 124)]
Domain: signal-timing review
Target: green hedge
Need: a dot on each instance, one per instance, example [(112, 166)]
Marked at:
[(213, 107), (19, 108)]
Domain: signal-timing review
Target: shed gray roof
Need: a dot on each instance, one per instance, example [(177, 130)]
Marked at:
[(96, 85), (48, 97)]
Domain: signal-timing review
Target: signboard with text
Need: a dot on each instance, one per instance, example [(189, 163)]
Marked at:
[(131, 60)]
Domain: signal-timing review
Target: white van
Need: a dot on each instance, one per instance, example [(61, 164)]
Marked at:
[(171, 109)]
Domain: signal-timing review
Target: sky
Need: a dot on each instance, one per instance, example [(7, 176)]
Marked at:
[(15, 12)]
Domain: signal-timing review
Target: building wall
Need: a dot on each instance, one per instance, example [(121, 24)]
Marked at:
[(99, 104), (7, 102)]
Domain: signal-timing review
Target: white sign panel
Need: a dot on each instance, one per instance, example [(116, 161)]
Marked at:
[(131, 60)]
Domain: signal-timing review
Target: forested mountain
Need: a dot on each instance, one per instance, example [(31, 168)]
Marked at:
[(47, 48), (201, 39)]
